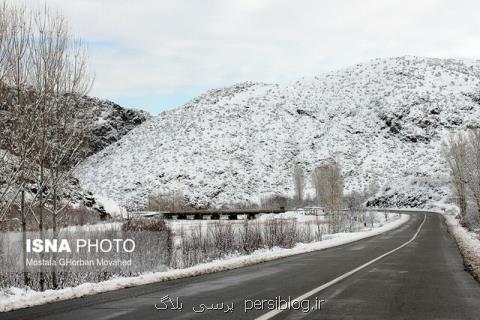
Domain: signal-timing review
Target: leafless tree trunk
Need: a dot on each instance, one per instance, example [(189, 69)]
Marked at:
[(16, 65), (455, 152), (299, 185), (61, 75), (353, 203), (4, 44), (473, 167), (329, 189), (43, 71)]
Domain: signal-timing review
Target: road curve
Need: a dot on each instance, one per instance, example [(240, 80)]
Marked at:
[(425, 279)]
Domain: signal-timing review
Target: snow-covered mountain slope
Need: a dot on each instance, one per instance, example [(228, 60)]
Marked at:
[(106, 123), (384, 120), (109, 122)]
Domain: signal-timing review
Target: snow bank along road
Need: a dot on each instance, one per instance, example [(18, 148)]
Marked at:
[(420, 276)]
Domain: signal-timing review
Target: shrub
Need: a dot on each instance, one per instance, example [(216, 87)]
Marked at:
[(137, 224)]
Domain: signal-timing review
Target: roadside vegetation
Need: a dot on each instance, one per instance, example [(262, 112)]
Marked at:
[(177, 244), (43, 73), (462, 153)]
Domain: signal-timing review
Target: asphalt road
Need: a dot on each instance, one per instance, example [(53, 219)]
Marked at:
[(424, 279)]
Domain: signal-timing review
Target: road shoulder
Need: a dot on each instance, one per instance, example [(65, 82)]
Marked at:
[(468, 245)]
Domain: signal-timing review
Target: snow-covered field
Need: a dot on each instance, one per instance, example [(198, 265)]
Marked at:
[(15, 298), (375, 219), (186, 225)]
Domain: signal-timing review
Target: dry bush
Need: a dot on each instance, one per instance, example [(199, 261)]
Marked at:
[(222, 235), (79, 216), (305, 234), (153, 228), (251, 236), (370, 218), (194, 247), (280, 233), (11, 221), (153, 252), (140, 224)]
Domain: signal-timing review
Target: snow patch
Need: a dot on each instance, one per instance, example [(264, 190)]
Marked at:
[(468, 243), (112, 207)]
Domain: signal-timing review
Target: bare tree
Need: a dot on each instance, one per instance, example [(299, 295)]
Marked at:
[(60, 77), (455, 153), (14, 81), (4, 43), (299, 184), (43, 72), (473, 167), (354, 205), (3, 114), (21, 123), (328, 183), (67, 134)]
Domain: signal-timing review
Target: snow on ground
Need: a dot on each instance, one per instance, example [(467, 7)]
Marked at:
[(16, 298), (102, 226), (468, 242), (186, 225), (112, 207)]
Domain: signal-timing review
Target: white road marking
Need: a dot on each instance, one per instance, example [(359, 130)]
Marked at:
[(116, 314), (310, 293)]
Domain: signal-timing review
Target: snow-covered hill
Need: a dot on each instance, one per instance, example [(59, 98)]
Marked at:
[(109, 122), (384, 120), (106, 123)]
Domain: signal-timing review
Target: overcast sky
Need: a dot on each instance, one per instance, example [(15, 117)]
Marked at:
[(158, 54)]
